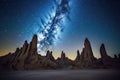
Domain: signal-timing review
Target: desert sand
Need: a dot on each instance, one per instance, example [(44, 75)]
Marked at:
[(98, 74)]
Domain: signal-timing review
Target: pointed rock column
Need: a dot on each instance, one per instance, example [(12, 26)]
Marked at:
[(78, 56), (105, 58), (63, 56), (20, 58), (87, 59), (32, 58), (50, 56), (48, 61)]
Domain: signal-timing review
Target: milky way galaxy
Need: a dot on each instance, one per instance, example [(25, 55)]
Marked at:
[(49, 31)]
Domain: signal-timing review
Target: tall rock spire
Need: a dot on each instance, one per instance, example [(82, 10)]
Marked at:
[(103, 52), (105, 58), (78, 56), (34, 43), (32, 58), (87, 58), (63, 57), (27, 56), (88, 49)]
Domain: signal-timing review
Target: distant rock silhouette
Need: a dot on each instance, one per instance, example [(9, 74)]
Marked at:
[(115, 56), (105, 58), (64, 62), (48, 61), (63, 57), (5, 62), (27, 58), (78, 56), (108, 61), (119, 55), (50, 56)]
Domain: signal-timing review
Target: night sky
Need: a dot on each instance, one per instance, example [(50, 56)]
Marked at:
[(98, 20)]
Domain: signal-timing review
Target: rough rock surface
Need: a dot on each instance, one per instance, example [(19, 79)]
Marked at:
[(27, 58), (48, 61), (87, 58)]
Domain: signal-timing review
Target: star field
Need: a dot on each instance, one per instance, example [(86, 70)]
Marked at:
[(98, 20)]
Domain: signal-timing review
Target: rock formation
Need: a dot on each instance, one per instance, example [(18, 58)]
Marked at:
[(115, 56), (48, 61), (19, 60), (87, 58), (5, 62), (119, 55), (27, 58), (64, 62), (63, 57), (50, 56), (105, 58), (32, 58), (108, 61), (78, 56)]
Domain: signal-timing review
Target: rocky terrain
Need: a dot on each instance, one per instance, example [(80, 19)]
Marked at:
[(27, 58)]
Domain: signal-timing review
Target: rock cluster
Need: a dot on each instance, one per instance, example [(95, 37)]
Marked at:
[(63, 61), (48, 61), (107, 60), (27, 58)]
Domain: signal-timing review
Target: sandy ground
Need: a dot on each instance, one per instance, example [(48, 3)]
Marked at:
[(61, 75)]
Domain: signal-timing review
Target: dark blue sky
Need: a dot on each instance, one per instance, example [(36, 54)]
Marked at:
[(99, 20)]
